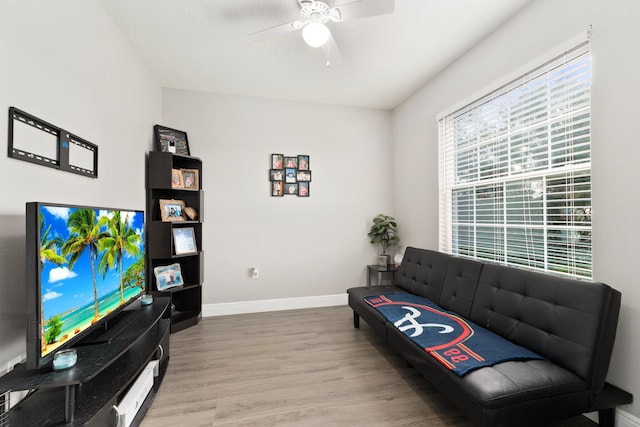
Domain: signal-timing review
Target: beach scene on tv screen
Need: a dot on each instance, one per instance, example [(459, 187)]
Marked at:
[(92, 262)]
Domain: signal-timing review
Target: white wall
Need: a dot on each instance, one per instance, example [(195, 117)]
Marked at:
[(303, 247), (67, 63), (540, 28)]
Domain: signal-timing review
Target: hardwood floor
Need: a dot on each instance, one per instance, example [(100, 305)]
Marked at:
[(295, 368)]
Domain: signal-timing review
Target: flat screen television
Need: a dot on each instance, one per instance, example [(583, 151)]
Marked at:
[(84, 265)]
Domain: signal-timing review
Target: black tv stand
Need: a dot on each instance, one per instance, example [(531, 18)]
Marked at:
[(111, 328), (85, 394)]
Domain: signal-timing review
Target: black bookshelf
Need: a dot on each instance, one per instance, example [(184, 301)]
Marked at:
[(186, 300)]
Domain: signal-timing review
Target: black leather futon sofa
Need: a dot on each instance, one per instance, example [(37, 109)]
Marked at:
[(570, 323)]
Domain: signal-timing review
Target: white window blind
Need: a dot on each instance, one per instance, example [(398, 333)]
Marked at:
[(515, 171)]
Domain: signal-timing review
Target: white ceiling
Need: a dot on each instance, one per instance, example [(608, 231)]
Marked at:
[(203, 45)]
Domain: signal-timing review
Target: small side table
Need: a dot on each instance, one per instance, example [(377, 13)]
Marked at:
[(379, 271)]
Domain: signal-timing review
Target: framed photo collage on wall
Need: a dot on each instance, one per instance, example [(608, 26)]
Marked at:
[(290, 175)]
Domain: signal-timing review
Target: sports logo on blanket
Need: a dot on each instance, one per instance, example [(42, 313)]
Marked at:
[(444, 329), (458, 344)]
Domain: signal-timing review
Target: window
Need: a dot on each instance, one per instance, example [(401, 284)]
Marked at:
[(515, 171)]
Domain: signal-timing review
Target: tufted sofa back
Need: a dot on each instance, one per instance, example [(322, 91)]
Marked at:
[(448, 281), (571, 322), (422, 272)]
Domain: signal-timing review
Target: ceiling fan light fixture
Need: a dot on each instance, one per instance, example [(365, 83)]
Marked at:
[(315, 34)]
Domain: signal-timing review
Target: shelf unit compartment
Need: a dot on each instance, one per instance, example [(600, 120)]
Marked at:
[(161, 238), (160, 165), (190, 267), (189, 197), (188, 300)]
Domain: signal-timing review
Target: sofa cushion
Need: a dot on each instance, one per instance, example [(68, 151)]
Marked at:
[(460, 285), (506, 394), (369, 314), (422, 272), (544, 313), (460, 345), (512, 382)]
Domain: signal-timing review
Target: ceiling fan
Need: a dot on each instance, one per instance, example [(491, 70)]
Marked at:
[(314, 14)]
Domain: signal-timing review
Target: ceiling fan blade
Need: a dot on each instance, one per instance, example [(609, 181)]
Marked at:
[(364, 8), (331, 52), (274, 32)]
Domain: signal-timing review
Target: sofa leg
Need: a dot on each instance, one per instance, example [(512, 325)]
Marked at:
[(607, 417), (356, 320)]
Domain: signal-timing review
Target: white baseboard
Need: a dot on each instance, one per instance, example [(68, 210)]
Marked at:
[(244, 307), (623, 419)]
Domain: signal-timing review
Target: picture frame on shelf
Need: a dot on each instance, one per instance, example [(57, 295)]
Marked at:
[(184, 241), (277, 161), (168, 276), (277, 188), (176, 178), (190, 179), (171, 140), (303, 189), (172, 210), (303, 162)]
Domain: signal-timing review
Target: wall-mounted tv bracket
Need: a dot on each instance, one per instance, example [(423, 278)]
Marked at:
[(34, 140)]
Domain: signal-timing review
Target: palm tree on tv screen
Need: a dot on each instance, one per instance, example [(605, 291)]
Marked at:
[(49, 248), (121, 239), (84, 233), (134, 275)]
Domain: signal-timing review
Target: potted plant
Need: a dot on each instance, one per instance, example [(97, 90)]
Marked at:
[(384, 233)]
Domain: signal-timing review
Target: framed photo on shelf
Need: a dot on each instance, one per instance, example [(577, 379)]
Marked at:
[(168, 276), (303, 162), (190, 179), (172, 210), (171, 140), (277, 161), (176, 178), (184, 241)]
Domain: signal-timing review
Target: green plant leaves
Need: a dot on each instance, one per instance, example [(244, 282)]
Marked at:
[(384, 232)]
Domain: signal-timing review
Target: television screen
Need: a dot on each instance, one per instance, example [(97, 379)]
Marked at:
[(90, 265)]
